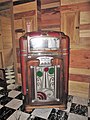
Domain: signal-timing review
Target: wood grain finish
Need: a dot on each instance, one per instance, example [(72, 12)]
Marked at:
[(24, 7), (80, 78), (78, 71), (24, 14), (79, 89), (85, 17), (70, 2), (53, 21), (1, 59), (85, 26), (6, 40), (76, 7), (80, 58)]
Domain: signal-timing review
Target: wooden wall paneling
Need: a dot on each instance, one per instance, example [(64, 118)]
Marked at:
[(18, 24), (85, 42), (17, 36), (84, 33), (79, 71), (1, 59), (27, 18), (66, 2), (29, 23), (50, 5), (85, 29), (28, 12), (8, 57), (44, 2), (6, 32), (80, 58), (1, 43), (79, 89), (6, 41), (76, 7), (24, 7), (53, 21), (53, 10), (79, 77), (70, 24), (85, 17)]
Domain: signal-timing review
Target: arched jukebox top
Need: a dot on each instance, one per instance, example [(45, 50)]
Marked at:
[(44, 67), (45, 43)]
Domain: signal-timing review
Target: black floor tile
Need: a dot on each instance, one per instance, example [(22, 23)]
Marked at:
[(58, 115), (5, 112), (4, 100), (79, 109)]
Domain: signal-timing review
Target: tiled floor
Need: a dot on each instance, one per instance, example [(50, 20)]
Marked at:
[(11, 107)]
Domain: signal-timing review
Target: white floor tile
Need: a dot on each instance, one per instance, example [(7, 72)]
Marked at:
[(14, 104), (42, 113), (76, 117), (18, 115), (79, 100), (13, 93)]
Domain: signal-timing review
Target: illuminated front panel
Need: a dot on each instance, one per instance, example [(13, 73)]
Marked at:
[(45, 83)]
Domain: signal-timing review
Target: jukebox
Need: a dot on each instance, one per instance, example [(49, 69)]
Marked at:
[(44, 69)]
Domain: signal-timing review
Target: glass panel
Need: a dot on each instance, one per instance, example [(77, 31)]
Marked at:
[(43, 43), (45, 83)]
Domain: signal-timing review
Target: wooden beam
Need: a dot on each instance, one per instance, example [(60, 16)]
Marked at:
[(24, 7), (76, 7)]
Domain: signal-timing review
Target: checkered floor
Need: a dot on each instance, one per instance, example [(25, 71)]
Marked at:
[(11, 108)]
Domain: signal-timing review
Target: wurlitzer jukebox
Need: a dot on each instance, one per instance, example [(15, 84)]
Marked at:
[(44, 69)]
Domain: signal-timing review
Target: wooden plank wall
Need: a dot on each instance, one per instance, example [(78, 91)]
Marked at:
[(6, 41), (80, 56), (26, 18), (50, 16)]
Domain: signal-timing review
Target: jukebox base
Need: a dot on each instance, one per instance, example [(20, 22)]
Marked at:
[(29, 108)]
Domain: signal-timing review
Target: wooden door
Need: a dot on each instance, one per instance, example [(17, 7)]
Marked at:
[(70, 26)]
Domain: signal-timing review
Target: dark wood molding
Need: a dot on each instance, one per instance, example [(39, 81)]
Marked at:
[(22, 2)]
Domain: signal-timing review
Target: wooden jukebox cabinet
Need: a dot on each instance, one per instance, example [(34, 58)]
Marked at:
[(44, 69)]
